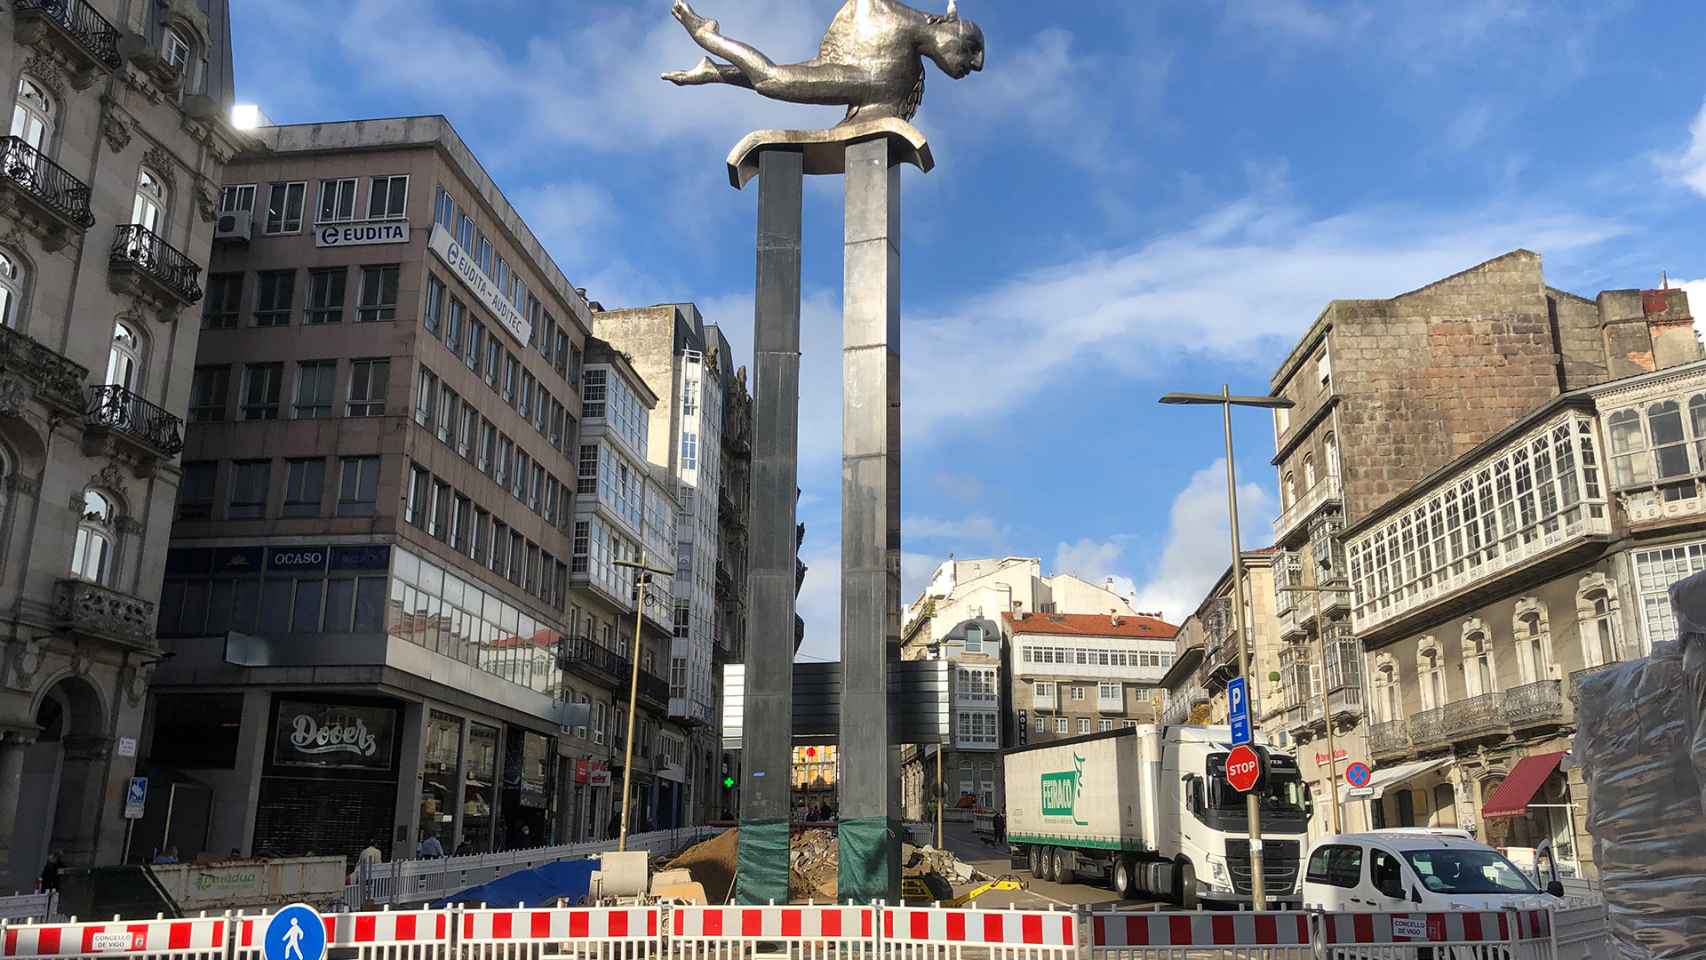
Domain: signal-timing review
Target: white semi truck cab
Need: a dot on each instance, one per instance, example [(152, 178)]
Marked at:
[(1149, 811)]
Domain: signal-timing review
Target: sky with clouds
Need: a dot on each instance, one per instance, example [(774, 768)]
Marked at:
[(1134, 196)]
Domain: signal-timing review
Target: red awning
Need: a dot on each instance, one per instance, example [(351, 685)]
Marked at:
[(1513, 796)]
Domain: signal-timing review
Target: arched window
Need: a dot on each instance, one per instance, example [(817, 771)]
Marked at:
[(1697, 423), (149, 208), (1629, 463), (12, 283), (124, 359), (1388, 697), (1596, 617), (1479, 675), (33, 115), (177, 51), (1445, 806), (1289, 491), (92, 556), (1533, 640), (1308, 472), (1331, 444), (1430, 666)]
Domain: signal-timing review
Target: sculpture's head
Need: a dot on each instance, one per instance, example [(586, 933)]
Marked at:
[(953, 44)]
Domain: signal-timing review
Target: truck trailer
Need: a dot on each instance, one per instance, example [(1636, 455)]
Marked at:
[(1148, 811)]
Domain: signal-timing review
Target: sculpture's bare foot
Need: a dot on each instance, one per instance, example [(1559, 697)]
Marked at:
[(702, 73), (696, 25)]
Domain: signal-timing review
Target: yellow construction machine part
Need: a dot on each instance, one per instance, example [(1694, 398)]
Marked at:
[(1008, 882)]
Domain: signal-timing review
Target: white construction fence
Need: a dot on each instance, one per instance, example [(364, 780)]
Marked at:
[(831, 932)]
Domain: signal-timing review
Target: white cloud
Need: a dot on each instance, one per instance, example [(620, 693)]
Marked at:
[(571, 218), (1096, 561), (1688, 165), (1294, 19), (1198, 548), (1470, 126), (974, 530), (960, 486), (1696, 302)]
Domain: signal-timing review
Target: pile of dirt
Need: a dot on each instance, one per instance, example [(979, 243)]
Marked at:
[(712, 864), (813, 866)]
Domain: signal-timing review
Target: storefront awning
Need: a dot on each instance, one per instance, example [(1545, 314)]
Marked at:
[(1391, 776), (1517, 792)]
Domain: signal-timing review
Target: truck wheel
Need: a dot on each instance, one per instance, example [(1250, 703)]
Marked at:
[(1036, 857), (1124, 882), (1048, 864), (1186, 894), (1063, 871)]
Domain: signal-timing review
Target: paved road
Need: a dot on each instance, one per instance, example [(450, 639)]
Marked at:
[(974, 849)]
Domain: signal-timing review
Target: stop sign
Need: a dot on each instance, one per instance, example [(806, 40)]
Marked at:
[(1243, 769)]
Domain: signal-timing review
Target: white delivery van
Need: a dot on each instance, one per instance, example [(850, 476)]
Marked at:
[(1415, 871)]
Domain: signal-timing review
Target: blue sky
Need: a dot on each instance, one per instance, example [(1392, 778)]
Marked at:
[(1134, 196)]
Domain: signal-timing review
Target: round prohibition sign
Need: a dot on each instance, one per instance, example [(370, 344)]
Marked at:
[(1358, 774)]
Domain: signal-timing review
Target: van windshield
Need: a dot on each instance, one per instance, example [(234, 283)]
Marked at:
[(1467, 871)]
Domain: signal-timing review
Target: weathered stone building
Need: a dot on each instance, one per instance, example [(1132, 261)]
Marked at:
[(107, 208)]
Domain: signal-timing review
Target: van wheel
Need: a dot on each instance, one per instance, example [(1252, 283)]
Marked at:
[(1123, 880), (1186, 894), (1063, 870)]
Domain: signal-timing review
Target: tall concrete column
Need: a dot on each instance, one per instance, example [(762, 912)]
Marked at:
[(767, 736), (16, 876), (869, 843)]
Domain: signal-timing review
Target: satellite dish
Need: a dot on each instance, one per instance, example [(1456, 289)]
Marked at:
[(131, 44)]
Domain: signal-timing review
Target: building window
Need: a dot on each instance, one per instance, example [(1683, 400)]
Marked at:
[(1430, 666), (337, 201), (438, 511), (449, 405), (1062, 725), (124, 358), (12, 286), (476, 339), (272, 297), (512, 369), (426, 389), (477, 537), (177, 51), (453, 327), (1596, 614), (224, 301), (326, 295), (304, 487), (1109, 691), (587, 479), (523, 470), (314, 380), (195, 490), (524, 403), (465, 434), (92, 554), (236, 198), (974, 638), (434, 312), (1083, 725), (388, 198), (1282, 420), (419, 489), (1104, 726), (1308, 472), (1324, 370), (1479, 674), (284, 207), (148, 208), (461, 516), (1078, 693), (500, 467), (1533, 643), (689, 451), (1288, 492), (261, 383), (208, 390), (1331, 445), (368, 386), (249, 482), (494, 360), (33, 115), (488, 446), (378, 294)]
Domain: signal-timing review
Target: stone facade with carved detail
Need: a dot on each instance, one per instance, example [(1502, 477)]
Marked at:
[(120, 139)]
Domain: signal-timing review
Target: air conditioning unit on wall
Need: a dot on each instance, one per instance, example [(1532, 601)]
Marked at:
[(235, 226)]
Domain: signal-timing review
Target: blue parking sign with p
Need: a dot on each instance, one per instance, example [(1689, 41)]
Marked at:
[(295, 933), (1238, 710)]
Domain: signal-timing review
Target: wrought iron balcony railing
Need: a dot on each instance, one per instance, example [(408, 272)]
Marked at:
[(1475, 716), (46, 182), (1428, 728), (91, 609), (93, 33), (112, 407), (581, 655), (1535, 704), (139, 248), (654, 690), (57, 380), (1389, 739)]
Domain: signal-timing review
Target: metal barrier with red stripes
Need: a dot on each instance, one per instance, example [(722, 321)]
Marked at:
[(933, 933), (1255, 936), (1507, 935), (581, 933), (385, 935), (204, 938), (807, 932)]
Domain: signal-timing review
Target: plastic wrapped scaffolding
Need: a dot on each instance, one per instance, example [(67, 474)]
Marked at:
[(1641, 739)]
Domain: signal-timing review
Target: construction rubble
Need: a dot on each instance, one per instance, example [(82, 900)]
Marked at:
[(813, 867)]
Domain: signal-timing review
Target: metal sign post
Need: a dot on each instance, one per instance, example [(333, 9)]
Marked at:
[(642, 579)]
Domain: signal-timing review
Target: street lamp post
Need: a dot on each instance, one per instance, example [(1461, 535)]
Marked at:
[(1226, 401), (642, 579)]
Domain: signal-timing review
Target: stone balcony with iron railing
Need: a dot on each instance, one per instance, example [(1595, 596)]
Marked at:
[(34, 371), (1328, 489), (52, 202), (1473, 717), (1389, 740), (581, 656), (653, 690), (1347, 705), (113, 411), (1533, 705), (166, 273), (1427, 729), (87, 40), (89, 609)]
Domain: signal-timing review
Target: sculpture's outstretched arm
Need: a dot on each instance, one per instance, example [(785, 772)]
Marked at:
[(709, 71), (756, 66), (811, 82)]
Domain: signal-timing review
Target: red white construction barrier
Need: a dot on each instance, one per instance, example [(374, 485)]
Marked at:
[(1116, 932), (616, 933), (201, 939), (809, 931), (387, 934), (926, 933), (1462, 927)]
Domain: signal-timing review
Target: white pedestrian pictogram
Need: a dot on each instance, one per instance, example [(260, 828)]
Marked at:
[(293, 939)]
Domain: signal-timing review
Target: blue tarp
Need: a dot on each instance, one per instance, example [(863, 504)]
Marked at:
[(541, 885)]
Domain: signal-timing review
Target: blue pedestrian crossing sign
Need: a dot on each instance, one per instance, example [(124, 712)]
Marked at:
[(1238, 710), (295, 933)]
